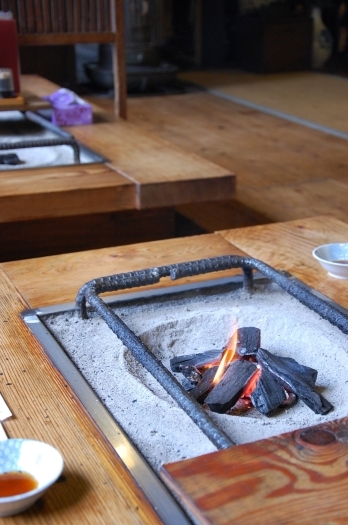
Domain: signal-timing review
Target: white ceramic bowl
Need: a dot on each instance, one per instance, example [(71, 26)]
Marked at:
[(39, 459), (334, 258)]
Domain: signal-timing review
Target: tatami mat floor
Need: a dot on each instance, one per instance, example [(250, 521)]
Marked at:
[(309, 97)]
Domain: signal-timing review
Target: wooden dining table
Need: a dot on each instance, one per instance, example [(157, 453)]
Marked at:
[(275, 480), (135, 189)]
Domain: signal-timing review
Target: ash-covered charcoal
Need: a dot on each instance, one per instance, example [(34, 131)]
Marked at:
[(293, 382), (227, 391), (248, 340), (208, 358), (188, 385), (191, 373), (268, 395), (202, 389), (305, 372)]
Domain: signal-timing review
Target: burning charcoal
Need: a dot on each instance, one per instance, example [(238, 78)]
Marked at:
[(268, 394), (290, 400), (191, 373), (309, 375), (207, 358), (227, 391), (294, 382), (200, 391), (248, 340), (243, 405)]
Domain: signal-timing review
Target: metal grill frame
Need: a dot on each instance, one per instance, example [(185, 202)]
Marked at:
[(157, 493), (91, 290)]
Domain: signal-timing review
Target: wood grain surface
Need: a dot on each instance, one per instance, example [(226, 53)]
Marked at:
[(57, 279), (60, 192), (308, 198), (284, 170), (37, 85), (299, 477), (25, 101), (164, 174), (289, 246), (95, 487), (261, 149)]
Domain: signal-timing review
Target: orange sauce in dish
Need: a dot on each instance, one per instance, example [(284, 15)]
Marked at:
[(15, 483)]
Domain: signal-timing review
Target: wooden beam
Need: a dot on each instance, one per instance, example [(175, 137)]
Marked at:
[(298, 476)]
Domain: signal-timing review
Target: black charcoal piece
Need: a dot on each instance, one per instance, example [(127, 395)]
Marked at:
[(268, 394), (293, 382), (187, 384), (309, 375), (202, 359), (9, 159), (191, 373), (248, 340), (226, 393), (200, 391)]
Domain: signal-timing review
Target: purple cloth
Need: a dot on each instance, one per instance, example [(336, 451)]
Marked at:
[(61, 98), (69, 109)]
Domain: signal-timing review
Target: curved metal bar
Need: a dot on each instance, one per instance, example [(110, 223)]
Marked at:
[(160, 372), (176, 271), (42, 143)]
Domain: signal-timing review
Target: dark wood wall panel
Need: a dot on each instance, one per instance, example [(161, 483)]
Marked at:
[(60, 16)]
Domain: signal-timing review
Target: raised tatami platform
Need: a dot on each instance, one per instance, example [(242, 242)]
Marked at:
[(310, 98)]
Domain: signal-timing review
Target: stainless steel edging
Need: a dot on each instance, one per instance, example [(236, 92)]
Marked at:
[(162, 501)]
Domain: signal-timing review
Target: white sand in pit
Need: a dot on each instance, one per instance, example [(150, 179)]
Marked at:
[(191, 324)]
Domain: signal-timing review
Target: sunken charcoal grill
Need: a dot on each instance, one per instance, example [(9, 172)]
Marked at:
[(30, 130), (91, 290), (167, 507)]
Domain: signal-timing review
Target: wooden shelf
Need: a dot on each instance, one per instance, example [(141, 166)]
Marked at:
[(24, 102)]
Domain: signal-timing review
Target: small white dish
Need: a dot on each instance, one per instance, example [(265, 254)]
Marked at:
[(334, 258), (40, 460)]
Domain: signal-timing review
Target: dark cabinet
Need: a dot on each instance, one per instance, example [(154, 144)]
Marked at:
[(272, 45)]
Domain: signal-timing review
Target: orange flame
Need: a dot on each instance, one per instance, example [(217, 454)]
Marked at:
[(227, 356), (251, 384)]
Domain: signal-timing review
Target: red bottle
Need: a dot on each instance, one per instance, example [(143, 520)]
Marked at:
[(9, 56)]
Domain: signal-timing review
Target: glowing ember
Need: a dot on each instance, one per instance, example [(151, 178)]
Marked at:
[(249, 376), (251, 384)]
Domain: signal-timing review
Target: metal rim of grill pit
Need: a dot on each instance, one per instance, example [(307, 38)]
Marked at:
[(165, 505), (63, 139)]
